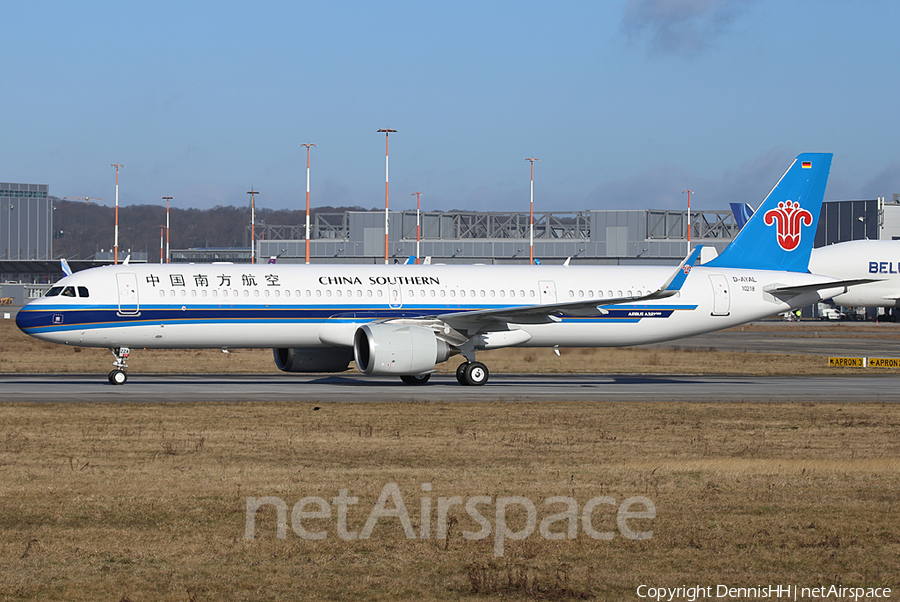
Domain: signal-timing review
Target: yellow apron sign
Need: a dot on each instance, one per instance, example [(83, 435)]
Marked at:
[(847, 362), (884, 362)]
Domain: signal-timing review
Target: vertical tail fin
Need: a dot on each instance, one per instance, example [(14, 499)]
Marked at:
[(780, 235)]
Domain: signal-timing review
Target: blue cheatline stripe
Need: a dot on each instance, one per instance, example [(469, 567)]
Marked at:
[(60, 318)]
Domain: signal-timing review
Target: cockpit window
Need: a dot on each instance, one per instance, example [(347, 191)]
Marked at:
[(69, 291), (83, 292), (54, 291)]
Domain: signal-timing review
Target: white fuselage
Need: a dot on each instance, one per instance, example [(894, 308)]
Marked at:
[(294, 305), (877, 259)]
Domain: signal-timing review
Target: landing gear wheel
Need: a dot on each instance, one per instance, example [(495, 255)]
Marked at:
[(117, 377), (476, 374), (415, 379), (461, 373)]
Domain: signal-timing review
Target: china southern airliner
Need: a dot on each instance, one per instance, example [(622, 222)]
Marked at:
[(403, 320)]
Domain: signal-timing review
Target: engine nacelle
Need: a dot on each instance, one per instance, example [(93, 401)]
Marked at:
[(313, 359), (385, 348)]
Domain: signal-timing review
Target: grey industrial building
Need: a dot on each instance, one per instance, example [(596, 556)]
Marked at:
[(589, 237), (26, 222)]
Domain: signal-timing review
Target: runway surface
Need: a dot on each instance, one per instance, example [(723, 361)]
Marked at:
[(562, 387), (821, 339)]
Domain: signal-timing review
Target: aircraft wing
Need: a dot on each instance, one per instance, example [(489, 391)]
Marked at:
[(536, 314), (776, 289)]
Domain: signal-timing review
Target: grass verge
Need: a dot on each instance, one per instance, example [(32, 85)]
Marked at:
[(148, 502)]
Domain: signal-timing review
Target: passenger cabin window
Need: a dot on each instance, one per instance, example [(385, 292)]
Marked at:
[(83, 292), (54, 291)]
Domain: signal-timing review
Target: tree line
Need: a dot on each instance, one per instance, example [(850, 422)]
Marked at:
[(83, 229)]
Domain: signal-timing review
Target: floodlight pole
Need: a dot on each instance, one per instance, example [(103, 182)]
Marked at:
[(531, 226), (307, 145), (167, 198), (418, 210), (161, 243), (387, 220), (116, 240), (252, 194), (689, 193)]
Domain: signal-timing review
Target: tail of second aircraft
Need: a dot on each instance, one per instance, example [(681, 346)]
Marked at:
[(780, 234)]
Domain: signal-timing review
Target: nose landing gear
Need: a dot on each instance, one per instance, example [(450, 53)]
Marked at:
[(118, 375)]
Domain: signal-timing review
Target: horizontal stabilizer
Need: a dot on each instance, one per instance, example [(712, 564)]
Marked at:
[(776, 289)]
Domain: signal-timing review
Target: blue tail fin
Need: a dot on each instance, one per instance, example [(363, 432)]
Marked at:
[(780, 235)]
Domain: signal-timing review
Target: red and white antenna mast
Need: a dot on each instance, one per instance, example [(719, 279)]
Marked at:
[(308, 145), (252, 194), (689, 193), (167, 199), (116, 242), (387, 225), (418, 211), (531, 226)]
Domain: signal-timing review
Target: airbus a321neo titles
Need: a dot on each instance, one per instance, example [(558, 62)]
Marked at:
[(403, 320)]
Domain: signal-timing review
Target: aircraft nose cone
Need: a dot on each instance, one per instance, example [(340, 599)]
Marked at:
[(26, 319)]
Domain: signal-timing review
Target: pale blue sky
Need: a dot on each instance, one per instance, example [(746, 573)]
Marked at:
[(626, 103)]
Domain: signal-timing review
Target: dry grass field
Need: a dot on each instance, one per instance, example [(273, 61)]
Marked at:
[(148, 502), (122, 502)]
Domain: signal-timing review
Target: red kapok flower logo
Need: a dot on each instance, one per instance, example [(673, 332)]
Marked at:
[(789, 216)]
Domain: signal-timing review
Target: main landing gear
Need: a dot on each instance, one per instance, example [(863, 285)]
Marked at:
[(468, 374), (118, 376), (472, 374)]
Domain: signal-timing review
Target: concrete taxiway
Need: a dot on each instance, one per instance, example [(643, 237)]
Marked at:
[(355, 388), (816, 339), (863, 339)]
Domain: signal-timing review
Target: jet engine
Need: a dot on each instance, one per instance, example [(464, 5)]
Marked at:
[(313, 359), (385, 348)]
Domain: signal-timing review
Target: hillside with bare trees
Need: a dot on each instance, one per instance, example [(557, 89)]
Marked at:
[(83, 229)]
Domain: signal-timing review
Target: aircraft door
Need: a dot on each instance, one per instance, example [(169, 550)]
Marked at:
[(395, 297), (548, 291), (721, 298), (128, 294)]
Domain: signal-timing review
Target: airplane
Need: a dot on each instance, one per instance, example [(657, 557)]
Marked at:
[(403, 320), (875, 259)]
